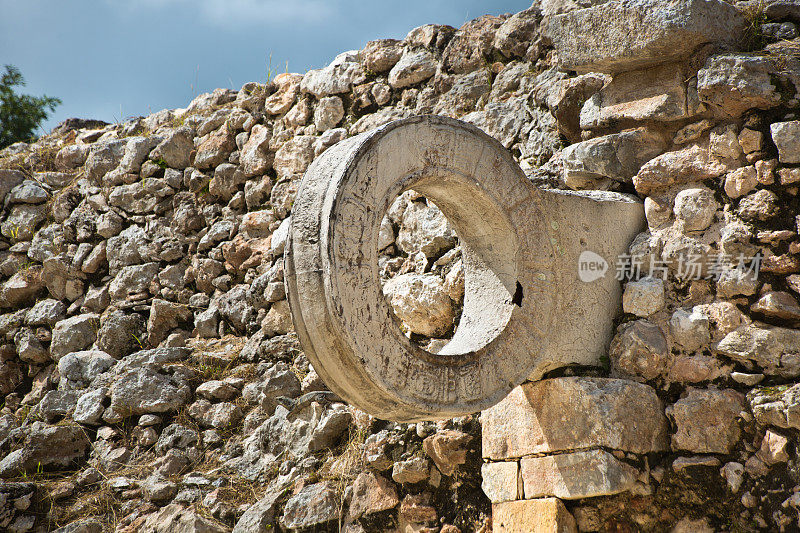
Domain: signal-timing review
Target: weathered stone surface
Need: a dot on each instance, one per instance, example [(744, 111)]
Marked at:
[(45, 446), (576, 475), (278, 320), (29, 348), (502, 120), (610, 413), (622, 36), (381, 55), (643, 297), (706, 420), (175, 149), (89, 407), (255, 155), (294, 156), (412, 470), (500, 481), (222, 415), (143, 390), (516, 36), (329, 112), (777, 305), (372, 494), (73, 334), (78, 369), (422, 303), (281, 100), (27, 192), (85, 525), (120, 333), (766, 347), (695, 208), (175, 518), (658, 93), (314, 505), (761, 205), (164, 317), (733, 83), (639, 350), (217, 390), (741, 181), (141, 197), (22, 288), (260, 515), (10, 179), (215, 149), (545, 515), (690, 329), (103, 157), (773, 448), (412, 68), (133, 280), (682, 166), (22, 222), (786, 136), (447, 449), (618, 156), (343, 369), (470, 47), (338, 77)]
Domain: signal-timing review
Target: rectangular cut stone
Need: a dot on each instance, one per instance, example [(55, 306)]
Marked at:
[(546, 515), (500, 481), (561, 414), (572, 476), (632, 34), (658, 93)]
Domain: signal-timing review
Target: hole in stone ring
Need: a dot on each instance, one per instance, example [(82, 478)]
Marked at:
[(447, 261), (421, 269)]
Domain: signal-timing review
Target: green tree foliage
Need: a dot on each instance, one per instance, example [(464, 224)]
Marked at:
[(20, 114)]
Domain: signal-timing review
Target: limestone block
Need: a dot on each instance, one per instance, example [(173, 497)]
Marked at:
[(500, 481), (658, 93), (618, 156), (643, 297), (572, 476), (706, 420), (555, 415), (546, 515), (786, 136), (634, 34), (733, 83)]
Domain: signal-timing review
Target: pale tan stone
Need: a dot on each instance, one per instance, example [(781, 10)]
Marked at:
[(576, 475), (570, 413), (681, 166), (281, 100), (706, 420), (773, 448), (789, 175), (766, 171), (515, 292), (751, 141), (500, 481), (624, 36), (546, 515), (741, 181), (658, 93)]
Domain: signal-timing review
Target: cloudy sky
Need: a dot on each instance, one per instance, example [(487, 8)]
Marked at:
[(113, 59)]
